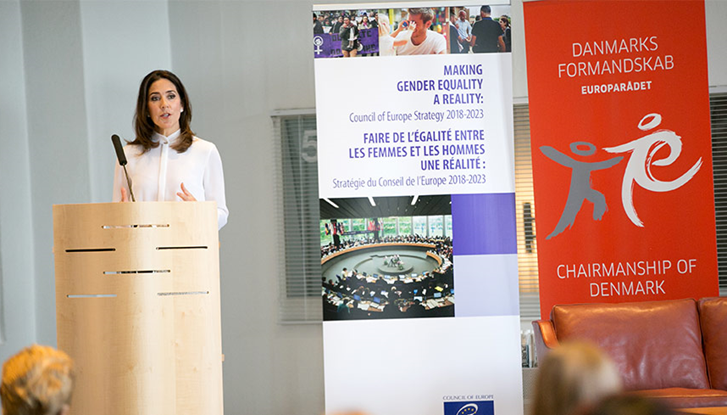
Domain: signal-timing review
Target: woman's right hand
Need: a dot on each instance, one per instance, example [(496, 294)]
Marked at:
[(124, 195)]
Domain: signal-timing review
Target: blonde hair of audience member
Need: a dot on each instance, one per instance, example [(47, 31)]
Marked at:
[(571, 376), (38, 380)]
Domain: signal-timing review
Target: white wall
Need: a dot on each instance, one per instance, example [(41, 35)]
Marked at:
[(69, 75), (122, 42), (17, 271), (716, 13), (57, 134)]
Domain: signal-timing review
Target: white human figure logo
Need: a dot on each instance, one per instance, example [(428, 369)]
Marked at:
[(639, 165)]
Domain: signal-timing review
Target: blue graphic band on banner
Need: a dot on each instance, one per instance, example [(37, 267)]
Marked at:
[(484, 224), (470, 408)]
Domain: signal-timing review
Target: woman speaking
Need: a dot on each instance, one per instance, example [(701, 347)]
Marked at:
[(166, 161)]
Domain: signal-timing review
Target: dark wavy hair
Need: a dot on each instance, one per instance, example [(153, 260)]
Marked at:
[(144, 126)]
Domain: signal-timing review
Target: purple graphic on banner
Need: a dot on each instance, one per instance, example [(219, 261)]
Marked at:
[(484, 224), (328, 45)]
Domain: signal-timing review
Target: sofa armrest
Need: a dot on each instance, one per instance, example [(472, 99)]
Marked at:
[(545, 338)]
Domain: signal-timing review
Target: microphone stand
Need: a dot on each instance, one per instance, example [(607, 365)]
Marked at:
[(128, 181), (122, 162)]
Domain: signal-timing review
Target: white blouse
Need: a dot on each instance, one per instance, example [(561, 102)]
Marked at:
[(158, 174)]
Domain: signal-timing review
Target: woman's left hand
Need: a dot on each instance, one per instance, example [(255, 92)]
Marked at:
[(185, 195)]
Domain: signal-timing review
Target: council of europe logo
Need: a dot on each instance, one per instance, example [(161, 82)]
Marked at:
[(469, 408), (638, 172)]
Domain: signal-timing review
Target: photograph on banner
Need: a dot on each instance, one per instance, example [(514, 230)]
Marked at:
[(411, 31), (624, 201), (480, 29), (389, 258), (345, 33)]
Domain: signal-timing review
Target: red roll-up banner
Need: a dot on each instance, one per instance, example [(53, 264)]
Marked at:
[(621, 145)]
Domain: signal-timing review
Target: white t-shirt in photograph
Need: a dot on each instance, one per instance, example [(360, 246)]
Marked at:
[(433, 44), (386, 46)]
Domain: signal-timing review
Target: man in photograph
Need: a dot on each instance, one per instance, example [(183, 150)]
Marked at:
[(464, 32), (421, 40), (486, 34), (337, 25), (317, 25), (454, 45)]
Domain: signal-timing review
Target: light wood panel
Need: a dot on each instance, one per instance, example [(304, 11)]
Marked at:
[(138, 306)]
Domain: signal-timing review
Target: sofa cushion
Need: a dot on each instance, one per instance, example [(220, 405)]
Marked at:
[(655, 344), (713, 317), (688, 398)]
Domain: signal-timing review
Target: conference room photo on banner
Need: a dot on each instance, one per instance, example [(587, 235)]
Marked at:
[(388, 259), (411, 31)]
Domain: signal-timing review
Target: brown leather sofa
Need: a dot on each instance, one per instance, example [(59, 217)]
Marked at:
[(674, 350)]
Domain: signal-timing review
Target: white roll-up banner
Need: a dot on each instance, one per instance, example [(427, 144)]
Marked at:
[(418, 228)]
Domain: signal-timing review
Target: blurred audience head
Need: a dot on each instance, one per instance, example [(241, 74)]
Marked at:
[(630, 405), (571, 376), (37, 381)]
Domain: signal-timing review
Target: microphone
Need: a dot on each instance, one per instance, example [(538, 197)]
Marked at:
[(119, 150), (122, 161)]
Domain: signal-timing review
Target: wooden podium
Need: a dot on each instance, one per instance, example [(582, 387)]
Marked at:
[(138, 306)]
